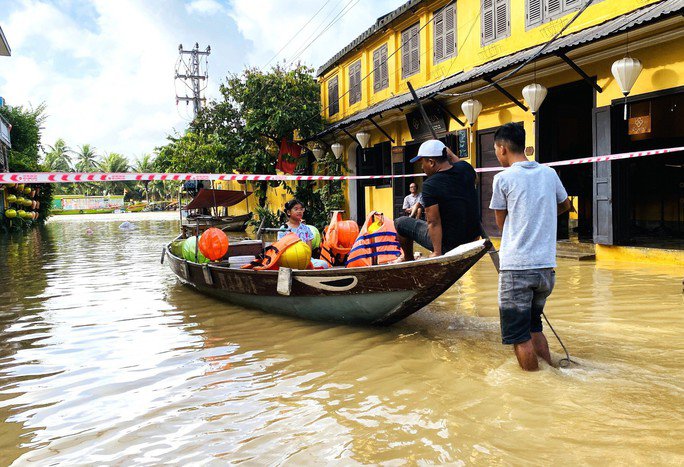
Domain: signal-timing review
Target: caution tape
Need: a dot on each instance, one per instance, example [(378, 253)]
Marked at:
[(83, 177)]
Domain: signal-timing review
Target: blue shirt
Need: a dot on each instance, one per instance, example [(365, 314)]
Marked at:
[(530, 192), (303, 232)]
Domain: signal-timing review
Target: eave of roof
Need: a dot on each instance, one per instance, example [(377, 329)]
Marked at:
[(379, 25), (611, 27), (4, 45)]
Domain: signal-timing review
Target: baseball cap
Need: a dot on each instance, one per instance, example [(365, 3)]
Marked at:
[(430, 148)]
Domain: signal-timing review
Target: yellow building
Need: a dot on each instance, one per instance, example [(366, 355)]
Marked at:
[(489, 50)]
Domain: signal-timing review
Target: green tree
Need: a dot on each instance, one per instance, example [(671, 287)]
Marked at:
[(26, 125), (256, 111), (86, 161), (144, 164), (114, 162), (193, 152), (58, 157)]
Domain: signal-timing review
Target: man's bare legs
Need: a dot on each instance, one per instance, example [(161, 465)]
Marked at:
[(528, 352), (406, 247), (541, 346)]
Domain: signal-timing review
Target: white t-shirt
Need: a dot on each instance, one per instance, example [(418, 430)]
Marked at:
[(530, 192), (410, 200)]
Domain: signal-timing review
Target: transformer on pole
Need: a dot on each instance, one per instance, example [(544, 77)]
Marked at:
[(192, 71)]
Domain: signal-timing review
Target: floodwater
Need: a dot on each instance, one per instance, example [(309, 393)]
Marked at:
[(106, 359)]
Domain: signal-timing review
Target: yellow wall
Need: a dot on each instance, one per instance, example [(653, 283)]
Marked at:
[(276, 197), (640, 255), (470, 52), (380, 200)]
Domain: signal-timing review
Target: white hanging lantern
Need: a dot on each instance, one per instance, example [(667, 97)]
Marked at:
[(337, 149), (534, 95), (471, 109), (364, 138), (318, 153), (626, 71)]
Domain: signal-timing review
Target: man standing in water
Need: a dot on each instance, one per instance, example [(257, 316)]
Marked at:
[(450, 202), (526, 199)]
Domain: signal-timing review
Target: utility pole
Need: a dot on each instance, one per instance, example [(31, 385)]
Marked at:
[(193, 78)]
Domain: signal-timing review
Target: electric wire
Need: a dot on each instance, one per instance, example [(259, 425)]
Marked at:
[(295, 35)]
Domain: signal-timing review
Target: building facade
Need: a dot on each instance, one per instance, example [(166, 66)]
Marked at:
[(488, 50), (5, 141)]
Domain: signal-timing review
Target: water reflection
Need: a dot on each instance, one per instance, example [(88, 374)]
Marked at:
[(106, 358)]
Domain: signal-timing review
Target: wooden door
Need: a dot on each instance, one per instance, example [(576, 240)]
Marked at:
[(487, 158)]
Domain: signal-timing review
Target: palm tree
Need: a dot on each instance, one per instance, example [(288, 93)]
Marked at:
[(86, 161), (58, 157), (114, 162), (145, 165)]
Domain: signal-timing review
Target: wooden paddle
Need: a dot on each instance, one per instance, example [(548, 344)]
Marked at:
[(493, 253)]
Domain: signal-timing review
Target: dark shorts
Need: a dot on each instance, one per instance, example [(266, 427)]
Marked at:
[(522, 296), (415, 229)]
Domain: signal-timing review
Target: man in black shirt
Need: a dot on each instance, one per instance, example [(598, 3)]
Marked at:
[(450, 202)]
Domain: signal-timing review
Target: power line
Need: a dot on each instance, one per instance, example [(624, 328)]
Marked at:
[(296, 34), (346, 9)]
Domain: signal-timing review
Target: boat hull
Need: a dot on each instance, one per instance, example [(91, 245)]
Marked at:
[(378, 295)]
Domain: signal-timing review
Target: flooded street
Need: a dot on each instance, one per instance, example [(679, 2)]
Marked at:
[(105, 358)]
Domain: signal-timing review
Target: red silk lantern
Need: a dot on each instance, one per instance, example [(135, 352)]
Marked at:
[(347, 231), (214, 243)]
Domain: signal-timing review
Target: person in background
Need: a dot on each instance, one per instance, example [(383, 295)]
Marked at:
[(527, 197), (412, 203), (450, 201)]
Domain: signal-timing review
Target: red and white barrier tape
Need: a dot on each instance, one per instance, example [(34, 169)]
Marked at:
[(76, 177)]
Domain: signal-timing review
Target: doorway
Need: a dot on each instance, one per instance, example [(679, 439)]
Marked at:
[(376, 160), (564, 129), (487, 158)]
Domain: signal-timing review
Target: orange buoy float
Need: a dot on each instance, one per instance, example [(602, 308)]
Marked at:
[(214, 243)]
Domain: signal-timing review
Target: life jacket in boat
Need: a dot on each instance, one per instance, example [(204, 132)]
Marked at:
[(376, 244), (268, 259), (339, 237)]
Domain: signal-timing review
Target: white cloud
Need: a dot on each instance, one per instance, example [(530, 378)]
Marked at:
[(271, 24), (122, 97), (204, 7), (105, 68)]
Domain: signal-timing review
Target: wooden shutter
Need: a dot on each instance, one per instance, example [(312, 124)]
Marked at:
[(415, 49), (602, 175), (502, 18), (380, 78), (405, 53), (553, 8), (377, 70), (570, 4), (333, 97), (450, 31), (384, 68), (487, 14), (438, 45), (533, 15), (355, 83)]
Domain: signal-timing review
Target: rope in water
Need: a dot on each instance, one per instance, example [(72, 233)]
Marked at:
[(563, 362)]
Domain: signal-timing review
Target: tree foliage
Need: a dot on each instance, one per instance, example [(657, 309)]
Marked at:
[(26, 128)]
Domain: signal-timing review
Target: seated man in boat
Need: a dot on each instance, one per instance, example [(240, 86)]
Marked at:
[(450, 202)]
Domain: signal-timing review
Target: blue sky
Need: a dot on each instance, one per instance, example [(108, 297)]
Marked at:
[(105, 68)]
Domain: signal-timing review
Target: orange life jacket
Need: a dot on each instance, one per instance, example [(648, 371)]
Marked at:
[(333, 249), (379, 247), (269, 257)]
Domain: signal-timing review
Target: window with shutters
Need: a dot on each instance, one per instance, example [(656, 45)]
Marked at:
[(542, 11), (496, 20), (410, 51), (444, 27), (380, 71), (355, 83), (333, 97)]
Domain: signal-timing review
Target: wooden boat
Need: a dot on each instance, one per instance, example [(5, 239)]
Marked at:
[(379, 295), (202, 212)]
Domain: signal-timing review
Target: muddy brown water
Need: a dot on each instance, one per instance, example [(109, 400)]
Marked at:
[(106, 359)]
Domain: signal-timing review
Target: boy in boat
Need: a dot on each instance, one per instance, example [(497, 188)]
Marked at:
[(526, 199), (450, 203)]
